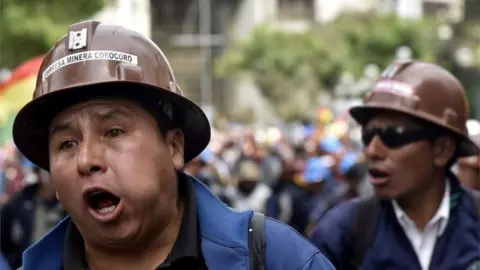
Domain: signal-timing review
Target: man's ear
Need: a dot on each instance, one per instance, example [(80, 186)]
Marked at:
[(176, 142), (443, 150)]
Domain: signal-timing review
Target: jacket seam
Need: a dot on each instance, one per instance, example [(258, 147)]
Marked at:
[(223, 243), (309, 259), (290, 228), (317, 251)]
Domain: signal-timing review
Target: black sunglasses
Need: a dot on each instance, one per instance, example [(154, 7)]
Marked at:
[(394, 136)]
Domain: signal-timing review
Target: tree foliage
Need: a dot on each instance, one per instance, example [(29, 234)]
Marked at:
[(371, 39), (288, 67), (291, 68), (29, 28), (467, 35)]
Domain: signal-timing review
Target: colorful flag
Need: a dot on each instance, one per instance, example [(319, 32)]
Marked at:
[(15, 92)]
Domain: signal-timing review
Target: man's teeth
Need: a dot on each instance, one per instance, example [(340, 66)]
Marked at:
[(107, 210)]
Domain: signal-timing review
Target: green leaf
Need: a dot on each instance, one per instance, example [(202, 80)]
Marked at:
[(29, 28)]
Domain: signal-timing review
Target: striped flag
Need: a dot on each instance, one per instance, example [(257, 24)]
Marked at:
[(15, 92)]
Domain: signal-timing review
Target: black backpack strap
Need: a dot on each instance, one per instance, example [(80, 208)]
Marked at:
[(363, 228), (256, 241), (475, 195)]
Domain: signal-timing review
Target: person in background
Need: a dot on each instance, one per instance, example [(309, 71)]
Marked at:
[(287, 202), (3, 263), (3, 192), (249, 148), (197, 168), (250, 192), (354, 170), (413, 129), (13, 176), (468, 168), (28, 215), (229, 153), (270, 165), (208, 170), (330, 145), (3, 181), (332, 148), (321, 192)]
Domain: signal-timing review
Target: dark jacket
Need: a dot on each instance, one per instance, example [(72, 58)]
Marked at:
[(17, 219), (457, 248)]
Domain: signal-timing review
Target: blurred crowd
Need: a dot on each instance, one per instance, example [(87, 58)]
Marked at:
[(295, 180)]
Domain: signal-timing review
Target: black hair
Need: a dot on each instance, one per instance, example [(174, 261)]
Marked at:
[(165, 122)]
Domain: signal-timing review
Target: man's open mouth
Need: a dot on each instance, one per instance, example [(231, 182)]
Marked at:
[(378, 177), (101, 201), (377, 173)]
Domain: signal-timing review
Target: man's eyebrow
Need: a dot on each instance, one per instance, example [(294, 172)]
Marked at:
[(62, 126), (103, 115), (116, 113)]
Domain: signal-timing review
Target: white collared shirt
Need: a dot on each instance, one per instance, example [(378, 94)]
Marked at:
[(423, 242)]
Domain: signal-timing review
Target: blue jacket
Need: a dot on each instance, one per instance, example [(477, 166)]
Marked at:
[(3, 263), (224, 241), (457, 248)]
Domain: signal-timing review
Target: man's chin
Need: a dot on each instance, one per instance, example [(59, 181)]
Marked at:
[(384, 195), (118, 237), (117, 243)]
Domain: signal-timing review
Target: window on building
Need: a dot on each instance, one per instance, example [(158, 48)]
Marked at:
[(472, 10), (171, 12), (296, 9), (436, 9)]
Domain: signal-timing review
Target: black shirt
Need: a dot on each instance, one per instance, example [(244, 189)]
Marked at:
[(186, 252)]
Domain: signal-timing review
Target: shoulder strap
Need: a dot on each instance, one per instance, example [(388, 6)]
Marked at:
[(363, 228), (256, 241), (475, 195)]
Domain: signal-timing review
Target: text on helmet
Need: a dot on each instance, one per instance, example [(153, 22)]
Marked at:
[(87, 56), (394, 87)]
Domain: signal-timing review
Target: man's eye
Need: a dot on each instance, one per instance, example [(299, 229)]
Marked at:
[(114, 132), (67, 144)]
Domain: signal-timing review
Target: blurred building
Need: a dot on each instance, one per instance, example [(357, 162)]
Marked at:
[(193, 32), (134, 14), (451, 10)]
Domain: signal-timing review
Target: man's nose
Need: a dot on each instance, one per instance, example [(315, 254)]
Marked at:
[(375, 150), (90, 159)]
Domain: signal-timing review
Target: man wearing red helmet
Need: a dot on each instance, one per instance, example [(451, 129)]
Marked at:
[(113, 128), (413, 129)]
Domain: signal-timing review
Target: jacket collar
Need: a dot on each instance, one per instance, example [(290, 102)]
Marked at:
[(211, 210), (47, 254), (458, 196)]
